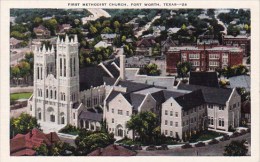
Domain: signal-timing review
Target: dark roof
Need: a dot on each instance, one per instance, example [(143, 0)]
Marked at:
[(136, 100), (209, 79), (112, 95), (133, 86), (113, 70), (210, 94), (90, 115), (147, 42), (112, 150), (190, 100), (109, 81), (91, 76)]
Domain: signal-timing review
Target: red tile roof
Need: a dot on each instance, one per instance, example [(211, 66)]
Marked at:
[(24, 144), (112, 150)]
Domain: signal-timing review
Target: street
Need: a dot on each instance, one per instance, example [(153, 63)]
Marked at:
[(208, 150)]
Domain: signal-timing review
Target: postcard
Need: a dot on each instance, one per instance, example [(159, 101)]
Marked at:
[(118, 80)]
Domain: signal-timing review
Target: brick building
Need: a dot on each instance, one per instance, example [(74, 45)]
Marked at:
[(203, 57), (242, 41)]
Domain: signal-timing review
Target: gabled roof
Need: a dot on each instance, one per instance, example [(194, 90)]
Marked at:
[(145, 42), (209, 79), (190, 100), (24, 144), (112, 150), (211, 94)]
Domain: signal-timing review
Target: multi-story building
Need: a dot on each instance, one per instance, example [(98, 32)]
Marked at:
[(242, 41), (202, 58)]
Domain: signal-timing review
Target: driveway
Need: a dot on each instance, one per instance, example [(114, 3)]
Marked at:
[(209, 150)]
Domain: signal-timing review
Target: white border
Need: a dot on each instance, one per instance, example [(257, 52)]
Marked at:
[(4, 110)]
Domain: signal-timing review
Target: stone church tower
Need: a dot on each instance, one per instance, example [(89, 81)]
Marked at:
[(56, 83)]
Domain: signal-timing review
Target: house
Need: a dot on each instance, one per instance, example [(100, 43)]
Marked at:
[(102, 44), (23, 145), (144, 46), (223, 106), (108, 38), (242, 41), (209, 79), (15, 43), (112, 150), (62, 29), (203, 57), (157, 30), (167, 44), (41, 32)]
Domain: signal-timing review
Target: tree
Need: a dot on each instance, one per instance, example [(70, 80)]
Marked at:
[(23, 124), (235, 148), (42, 150), (88, 141), (37, 21), (146, 124), (183, 68)]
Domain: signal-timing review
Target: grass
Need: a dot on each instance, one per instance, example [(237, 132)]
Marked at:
[(206, 135), (17, 96)]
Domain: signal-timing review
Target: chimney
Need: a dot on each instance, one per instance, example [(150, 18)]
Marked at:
[(122, 65)]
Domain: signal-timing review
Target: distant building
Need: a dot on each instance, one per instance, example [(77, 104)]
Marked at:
[(112, 150), (242, 41), (144, 46), (102, 44), (62, 29), (108, 38), (15, 43), (209, 79), (203, 58), (23, 145), (41, 32), (173, 30)]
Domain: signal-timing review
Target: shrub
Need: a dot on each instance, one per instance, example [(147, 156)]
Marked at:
[(187, 145), (200, 144), (213, 141)]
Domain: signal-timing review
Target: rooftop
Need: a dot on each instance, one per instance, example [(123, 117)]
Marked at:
[(112, 150), (209, 79)]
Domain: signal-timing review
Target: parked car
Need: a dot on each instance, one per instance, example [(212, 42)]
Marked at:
[(225, 137), (163, 147), (151, 148), (187, 145), (200, 144), (136, 147), (235, 134), (213, 141)]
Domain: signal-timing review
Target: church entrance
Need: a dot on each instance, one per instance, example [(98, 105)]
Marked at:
[(119, 130)]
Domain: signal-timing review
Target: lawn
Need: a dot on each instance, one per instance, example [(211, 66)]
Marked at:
[(206, 135), (17, 96)]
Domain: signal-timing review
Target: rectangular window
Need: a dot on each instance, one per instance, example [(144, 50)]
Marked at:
[(127, 113), (171, 123), (221, 107), (183, 124), (113, 120), (211, 121), (187, 122), (113, 111), (171, 113), (166, 132), (171, 133), (176, 124), (166, 122), (166, 112), (74, 116), (176, 114), (120, 112)]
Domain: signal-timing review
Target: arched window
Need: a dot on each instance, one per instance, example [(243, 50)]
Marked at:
[(74, 66), (51, 94), (62, 120), (64, 98), (64, 67), (41, 72), (70, 67), (38, 73), (61, 96), (52, 118), (47, 93), (39, 115), (55, 94), (60, 66)]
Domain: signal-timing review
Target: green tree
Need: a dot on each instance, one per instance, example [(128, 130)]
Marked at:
[(235, 148), (93, 30), (106, 30), (89, 141), (51, 24), (37, 21), (42, 150), (23, 124), (183, 68), (146, 124)]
